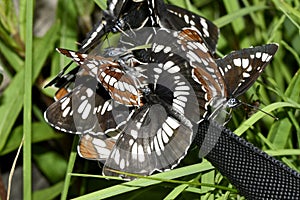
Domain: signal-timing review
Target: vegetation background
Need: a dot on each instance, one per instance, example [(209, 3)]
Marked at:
[(48, 167)]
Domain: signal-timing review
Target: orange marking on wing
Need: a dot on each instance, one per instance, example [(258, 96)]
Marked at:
[(87, 149), (60, 93)]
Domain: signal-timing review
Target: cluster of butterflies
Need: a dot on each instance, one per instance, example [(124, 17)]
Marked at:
[(137, 106)]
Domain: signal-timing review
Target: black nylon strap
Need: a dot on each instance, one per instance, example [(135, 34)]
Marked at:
[(254, 173)]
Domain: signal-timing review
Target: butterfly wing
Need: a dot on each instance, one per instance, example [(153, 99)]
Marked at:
[(121, 84), (241, 68), (79, 110), (95, 147), (176, 18), (204, 68), (198, 98), (151, 141), (159, 133), (182, 18)]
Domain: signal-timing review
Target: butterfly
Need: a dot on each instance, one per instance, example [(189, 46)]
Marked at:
[(226, 78), (156, 134), (111, 75), (220, 81), (175, 18), (128, 14)]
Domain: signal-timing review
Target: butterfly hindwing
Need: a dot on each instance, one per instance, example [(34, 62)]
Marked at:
[(95, 147), (186, 19), (175, 18), (159, 133), (151, 141), (83, 109)]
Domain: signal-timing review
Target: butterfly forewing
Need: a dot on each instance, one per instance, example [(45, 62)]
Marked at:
[(165, 54), (121, 85), (204, 68), (241, 68), (119, 16)]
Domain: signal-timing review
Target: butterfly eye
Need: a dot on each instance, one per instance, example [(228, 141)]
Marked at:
[(233, 102)]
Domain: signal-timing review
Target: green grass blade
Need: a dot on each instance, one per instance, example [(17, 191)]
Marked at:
[(284, 152), (43, 158), (257, 116), (49, 193), (176, 192), (279, 133), (238, 24), (136, 184), (208, 178), (40, 132), (11, 56), (27, 179), (70, 167), (101, 4), (229, 18), (12, 98)]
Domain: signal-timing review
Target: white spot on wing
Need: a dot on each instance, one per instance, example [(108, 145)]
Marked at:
[(122, 163), (264, 57), (82, 106), (104, 108), (66, 111), (86, 111), (89, 92), (134, 151), (156, 146), (245, 62), (65, 102), (269, 58), (117, 156), (237, 62), (258, 54), (141, 153), (246, 75)]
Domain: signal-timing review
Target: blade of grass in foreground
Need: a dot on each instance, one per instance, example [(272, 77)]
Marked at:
[(143, 182), (227, 19), (254, 118), (70, 167), (12, 97), (27, 181)]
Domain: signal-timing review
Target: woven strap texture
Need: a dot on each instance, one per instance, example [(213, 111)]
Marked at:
[(254, 173)]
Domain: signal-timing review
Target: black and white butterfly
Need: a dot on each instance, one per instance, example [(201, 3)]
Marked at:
[(86, 110), (134, 15), (175, 18), (219, 81), (226, 78), (157, 133), (123, 15), (117, 77)]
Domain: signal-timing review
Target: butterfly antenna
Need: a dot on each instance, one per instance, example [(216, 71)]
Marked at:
[(257, 108)]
